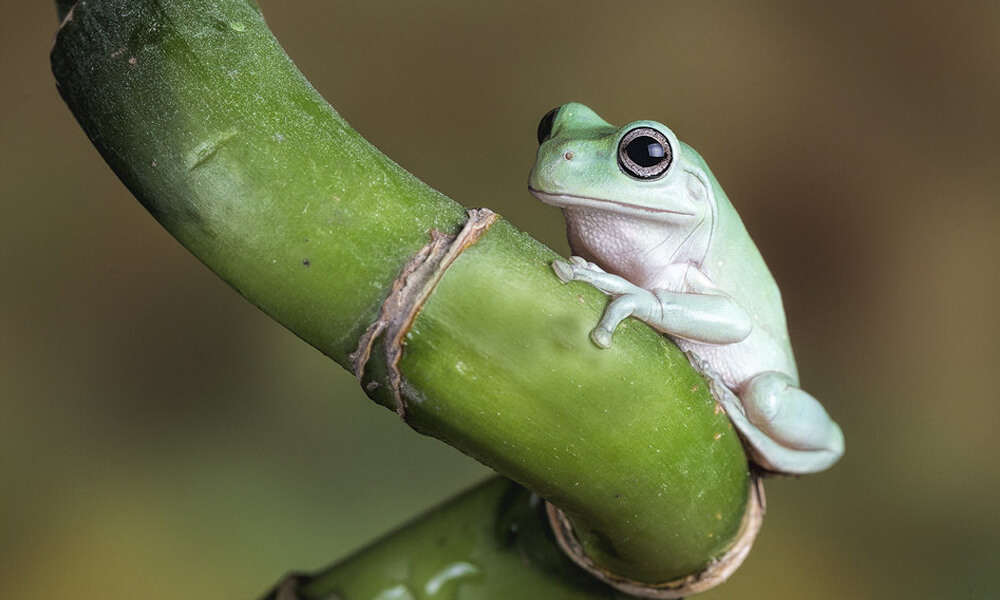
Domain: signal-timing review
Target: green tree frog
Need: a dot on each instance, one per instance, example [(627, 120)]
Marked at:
[(650, 226)]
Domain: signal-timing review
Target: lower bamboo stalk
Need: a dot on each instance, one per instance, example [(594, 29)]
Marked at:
[(488, 543)]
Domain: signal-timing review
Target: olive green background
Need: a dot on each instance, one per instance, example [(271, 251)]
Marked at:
[(161, 438)]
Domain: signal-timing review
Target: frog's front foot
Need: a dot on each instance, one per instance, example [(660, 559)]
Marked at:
[(563, 270), (567, 271), (630, 299)]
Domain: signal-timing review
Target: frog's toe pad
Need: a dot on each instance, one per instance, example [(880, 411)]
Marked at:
[(601, 337), (563, 270)]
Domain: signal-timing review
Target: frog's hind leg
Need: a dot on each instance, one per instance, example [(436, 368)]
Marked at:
[(788, 430)]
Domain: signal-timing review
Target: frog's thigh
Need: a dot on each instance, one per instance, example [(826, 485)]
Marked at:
[(789, 415)]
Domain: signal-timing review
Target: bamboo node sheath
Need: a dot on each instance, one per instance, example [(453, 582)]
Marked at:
[(415, 283), (714, 573)]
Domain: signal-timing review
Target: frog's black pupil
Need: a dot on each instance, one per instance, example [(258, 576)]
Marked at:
[(545, 125), (645, 151)]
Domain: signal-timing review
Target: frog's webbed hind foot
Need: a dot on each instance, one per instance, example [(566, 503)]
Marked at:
[(792, 432), (785, 430)]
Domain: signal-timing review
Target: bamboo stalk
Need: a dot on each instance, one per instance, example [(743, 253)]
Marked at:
[(490, 541), (456, 323)]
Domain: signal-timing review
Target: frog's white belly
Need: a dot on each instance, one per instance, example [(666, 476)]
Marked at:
[(737, 363), (638, 251)]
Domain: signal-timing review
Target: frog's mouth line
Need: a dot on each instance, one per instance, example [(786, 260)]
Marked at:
[(569, 200)]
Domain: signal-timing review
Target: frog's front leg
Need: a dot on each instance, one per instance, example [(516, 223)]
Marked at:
[(788, 430), (706, 315), (631, 300)]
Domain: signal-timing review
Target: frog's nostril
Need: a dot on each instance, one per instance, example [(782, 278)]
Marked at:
[(568, 156)]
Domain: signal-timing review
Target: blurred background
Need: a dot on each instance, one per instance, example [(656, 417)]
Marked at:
[(161, 438)]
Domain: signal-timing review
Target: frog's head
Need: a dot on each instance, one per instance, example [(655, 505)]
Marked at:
[(640, 170)]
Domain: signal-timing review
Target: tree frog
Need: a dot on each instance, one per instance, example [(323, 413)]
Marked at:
[(650, 226)]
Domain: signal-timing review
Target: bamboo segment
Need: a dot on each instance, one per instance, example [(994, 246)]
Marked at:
[(198, 110)]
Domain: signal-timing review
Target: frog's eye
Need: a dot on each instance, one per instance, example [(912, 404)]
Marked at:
[(545, 125), (644, 153)]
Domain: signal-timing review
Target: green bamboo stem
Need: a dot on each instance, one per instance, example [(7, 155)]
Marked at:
[(520, 386), (490, 541), (206, 120)]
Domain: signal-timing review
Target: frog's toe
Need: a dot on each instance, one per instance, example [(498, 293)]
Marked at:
[(563, 270), (601, 337)]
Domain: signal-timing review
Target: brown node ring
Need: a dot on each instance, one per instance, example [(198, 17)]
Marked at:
[(713, 574), (409, 291)]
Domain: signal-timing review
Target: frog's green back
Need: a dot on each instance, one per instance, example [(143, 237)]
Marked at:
[(735, 263)]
